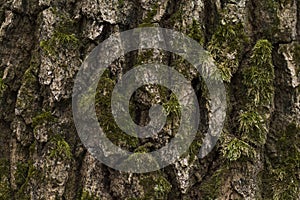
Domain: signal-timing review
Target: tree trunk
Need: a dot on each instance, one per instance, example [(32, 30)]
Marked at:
[(256, 46)]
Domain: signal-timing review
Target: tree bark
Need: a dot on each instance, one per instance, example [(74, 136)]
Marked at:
[(256, 46)]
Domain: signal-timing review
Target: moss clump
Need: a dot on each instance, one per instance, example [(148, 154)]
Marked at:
[(63, 35), (45, 117), (155, 187), (151, 14), (60, 148), (226, 46), (172, 106), (177, 17), (236, 149), (194, 148), (252, 125), (260, 76), (29, 77), (195, 32), (143, 148), (144, 56), (105, 117), (85, 195), (21, 173), (258, 80), (64, 40)]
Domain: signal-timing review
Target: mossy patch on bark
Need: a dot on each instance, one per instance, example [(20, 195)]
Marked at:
[(24, 174), (59, 148), (155, 187), (85, 195), (62, 37), (227, 46), (258, 79)]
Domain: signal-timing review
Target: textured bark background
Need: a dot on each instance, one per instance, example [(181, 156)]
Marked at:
[(256, 44)]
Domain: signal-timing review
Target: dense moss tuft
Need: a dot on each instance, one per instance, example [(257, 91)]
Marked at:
[(59, 39), (252, 125), (60, 148), (258, 80), (226, 46), (194, 31), (236, 149)]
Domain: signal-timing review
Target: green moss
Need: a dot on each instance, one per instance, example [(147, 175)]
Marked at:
[(45, 117), (172, 106), (63, 35), (194, 148), (258, 80), (144, 56), (60, 148), (252, 125), (121, 3), (227, 46), (59, 39), (259, 84), (29, 77), (262, 54), (141, 149), (25, 172), (21, 173), (151, 14), (155, 187), (176, 18), (194, 31), (236, 149), (85, 195), (105, 117)]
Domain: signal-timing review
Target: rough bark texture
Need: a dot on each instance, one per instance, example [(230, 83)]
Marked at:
[(44, 42)]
